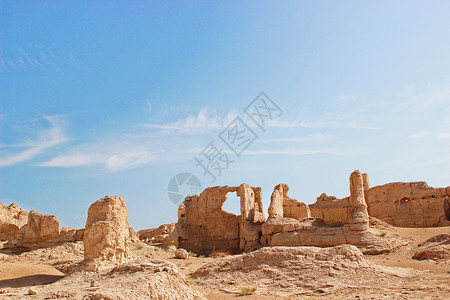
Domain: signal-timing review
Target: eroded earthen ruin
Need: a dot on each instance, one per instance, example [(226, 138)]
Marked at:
[(31, 230), (203, 226), (410, 204), (106, 230)]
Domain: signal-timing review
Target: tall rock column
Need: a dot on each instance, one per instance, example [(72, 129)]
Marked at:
[(276, 202), (251, 218), (359, 214), (106, 231)]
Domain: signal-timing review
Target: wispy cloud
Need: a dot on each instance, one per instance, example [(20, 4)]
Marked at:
[(109, 161), (36, 59), (433, 134), (206, 120), (291, 151), (44, 140), (320, 124), (318, 137)]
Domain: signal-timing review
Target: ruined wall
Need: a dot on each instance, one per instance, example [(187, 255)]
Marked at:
[(410, 204), (352, 209), (281, 206), (349, 218), (251, 218), (203, 226)]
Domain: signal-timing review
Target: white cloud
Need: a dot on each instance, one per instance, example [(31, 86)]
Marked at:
[(318, 137), (444, 135), (420, 134), (127, 160), (46, 139), (433, 134), (206, 120), (336, 123), (294, 151), (114, 159), (70, 160)]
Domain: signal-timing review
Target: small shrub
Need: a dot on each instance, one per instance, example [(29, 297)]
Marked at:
[(212, 272), (222, 264), (383, 233), (192, 254), (201, 256), (179, 264), (188, 263), (139, 246), (191, 280), (247, 291)]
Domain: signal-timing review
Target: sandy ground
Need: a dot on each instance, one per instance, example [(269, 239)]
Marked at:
[(35, 269)]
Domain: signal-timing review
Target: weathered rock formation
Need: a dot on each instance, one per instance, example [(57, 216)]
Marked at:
[(106, 230), (12, 218), (410, 204), (203, 226), (352, 210), (32, 230), (281, 206), (163, 234), (67, 234), (251, 218), (314, 232), (40, 230), (334, 222), (437, 247)]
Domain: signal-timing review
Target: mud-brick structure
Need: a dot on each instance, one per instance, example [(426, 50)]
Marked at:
[(203, 226)]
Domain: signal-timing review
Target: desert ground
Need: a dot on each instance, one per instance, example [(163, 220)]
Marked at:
[(392, 275)]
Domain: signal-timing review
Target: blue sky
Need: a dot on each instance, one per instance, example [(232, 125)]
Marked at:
[(115, 98)]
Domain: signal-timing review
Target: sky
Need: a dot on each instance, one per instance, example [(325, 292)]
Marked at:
[(119, 97)]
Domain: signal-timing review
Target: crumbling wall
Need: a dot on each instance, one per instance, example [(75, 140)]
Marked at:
[(281, 206), (251, 218), (203, 226), (409, 204), (348, 216), (352, 209)]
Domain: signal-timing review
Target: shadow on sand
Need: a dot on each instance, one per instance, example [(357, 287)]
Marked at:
[(30, 280)]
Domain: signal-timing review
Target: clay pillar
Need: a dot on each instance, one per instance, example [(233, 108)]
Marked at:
[(359, 214), (276, 202)]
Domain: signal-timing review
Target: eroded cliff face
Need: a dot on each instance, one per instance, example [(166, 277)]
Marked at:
[(409, 204)]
